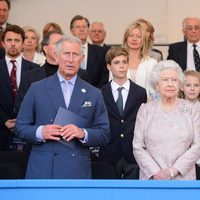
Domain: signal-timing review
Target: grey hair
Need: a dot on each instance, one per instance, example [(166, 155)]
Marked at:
[(71, 39), (162, 65), (185, 19)]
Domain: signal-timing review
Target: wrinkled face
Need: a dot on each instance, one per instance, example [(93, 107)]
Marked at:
[(118, 67), (191, 30), (134, 40), (31, 40), (191, 88), (80, 29), (97, 33), (4, 12), (13, 44), (50, 49), (168, 83), (69, 59)]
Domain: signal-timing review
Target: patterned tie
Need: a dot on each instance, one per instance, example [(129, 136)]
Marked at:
[(119, 101), (13, 80), (196, 58)]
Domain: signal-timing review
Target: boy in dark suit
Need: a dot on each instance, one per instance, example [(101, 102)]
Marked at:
[(123, 99)]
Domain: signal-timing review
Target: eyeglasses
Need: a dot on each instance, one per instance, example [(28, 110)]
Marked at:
[(97, 31), (191, 28), (80, 27)]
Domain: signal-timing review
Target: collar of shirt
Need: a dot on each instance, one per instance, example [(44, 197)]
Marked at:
[(85, 52), (71, 81), (18, 64), (4, 26), (190, 57), (115, 86), (190, 45)]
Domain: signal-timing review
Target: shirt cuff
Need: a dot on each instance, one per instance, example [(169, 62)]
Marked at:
[(39, 136), (85, 139)]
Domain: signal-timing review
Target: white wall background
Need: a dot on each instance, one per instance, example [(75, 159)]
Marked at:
[(165, 15)]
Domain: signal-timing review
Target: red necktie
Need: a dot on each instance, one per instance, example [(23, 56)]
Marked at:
[(13, 79)]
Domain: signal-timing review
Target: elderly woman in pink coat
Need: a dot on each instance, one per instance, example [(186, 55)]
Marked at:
[(166, 140)]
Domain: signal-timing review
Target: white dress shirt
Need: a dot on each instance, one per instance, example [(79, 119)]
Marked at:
[(18, 64), (190, 57), (115, 86)]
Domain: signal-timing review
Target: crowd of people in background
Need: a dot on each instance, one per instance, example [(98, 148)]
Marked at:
[(83, 110)]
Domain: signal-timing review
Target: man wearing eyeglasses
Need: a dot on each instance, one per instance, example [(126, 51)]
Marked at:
[(186, 53)]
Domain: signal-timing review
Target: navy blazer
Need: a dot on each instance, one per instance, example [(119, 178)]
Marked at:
[(96, 66), (39, 107), (178, 53), (7, 109), (121, 127)]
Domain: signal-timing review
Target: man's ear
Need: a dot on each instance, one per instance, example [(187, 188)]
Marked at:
[(44, 48), (108, 67)]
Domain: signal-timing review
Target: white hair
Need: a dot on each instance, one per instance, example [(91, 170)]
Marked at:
[(185, 19), (72, 39), (162, 65)]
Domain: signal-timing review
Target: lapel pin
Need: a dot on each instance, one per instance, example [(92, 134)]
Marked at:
[(83, 90)]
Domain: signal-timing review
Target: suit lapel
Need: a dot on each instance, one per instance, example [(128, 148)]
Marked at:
[(78, 96), (183, 55), (5, 76), (54, 91), (131, 97), (107, 92)]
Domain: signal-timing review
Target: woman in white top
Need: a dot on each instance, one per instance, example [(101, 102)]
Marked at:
[(31, 46), (140, 64)]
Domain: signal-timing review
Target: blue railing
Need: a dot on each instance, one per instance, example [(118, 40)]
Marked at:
[(98, 190)]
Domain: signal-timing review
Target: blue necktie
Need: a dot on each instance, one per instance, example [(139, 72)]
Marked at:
[(119, 101), (196, 58)]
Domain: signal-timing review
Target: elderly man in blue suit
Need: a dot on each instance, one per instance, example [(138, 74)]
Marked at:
[(62, 151)]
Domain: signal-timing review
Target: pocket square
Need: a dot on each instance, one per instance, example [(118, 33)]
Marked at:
[(87, 104)]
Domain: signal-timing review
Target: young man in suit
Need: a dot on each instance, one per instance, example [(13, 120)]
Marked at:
[(63, 149), (119, 153), (94, 56), (182, 52), (12, 38)]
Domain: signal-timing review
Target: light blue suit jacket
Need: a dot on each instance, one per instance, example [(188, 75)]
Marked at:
[(51, 159)]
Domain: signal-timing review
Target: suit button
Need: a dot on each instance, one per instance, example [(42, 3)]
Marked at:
[(121, 135), (122, 121), (73, 155), (51, 120)]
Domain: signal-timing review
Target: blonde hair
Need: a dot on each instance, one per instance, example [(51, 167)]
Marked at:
[(31, 29), (144, 48), (193, 74), (150, 28)]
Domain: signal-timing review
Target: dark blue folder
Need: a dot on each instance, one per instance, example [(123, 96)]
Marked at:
[(65, 117)]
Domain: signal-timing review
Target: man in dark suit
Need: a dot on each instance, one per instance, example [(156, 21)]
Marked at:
[(94, 56), (4, 13), (119, 152), (182, 52), (13, 38), (63, 149)]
